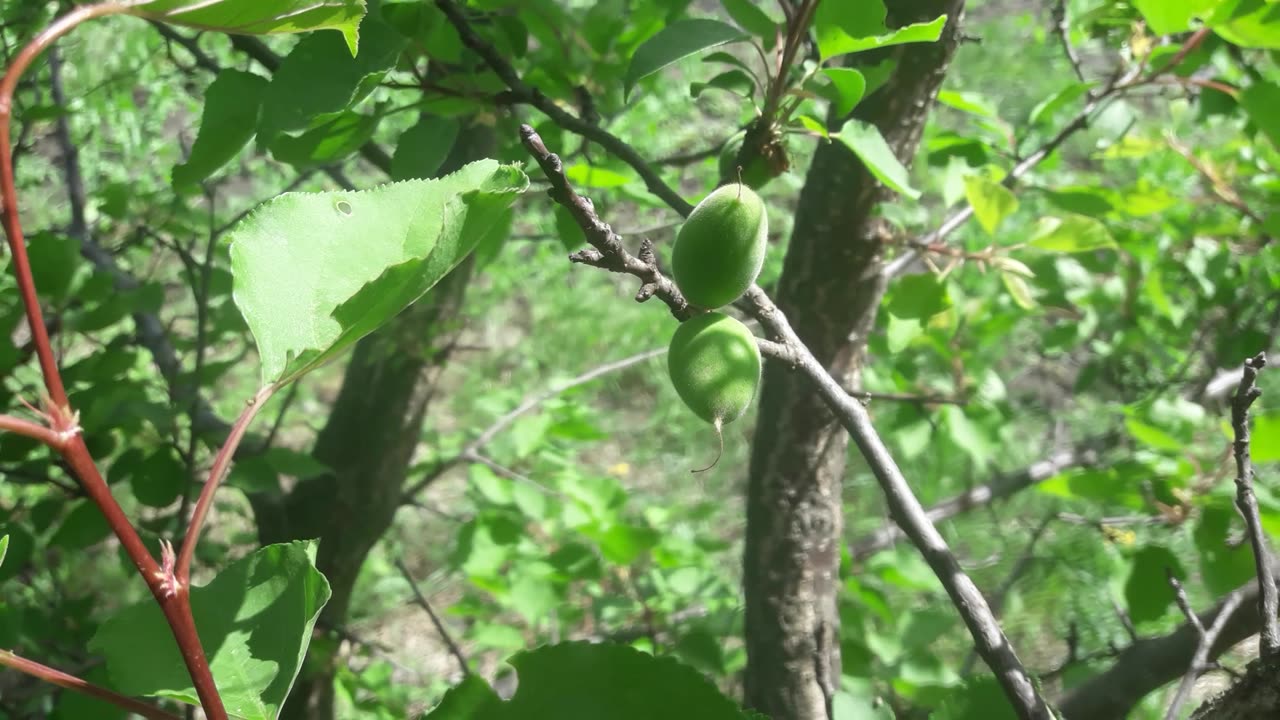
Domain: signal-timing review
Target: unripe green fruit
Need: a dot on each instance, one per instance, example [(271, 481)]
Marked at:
[(714, 363), (720, 249), (755, 175)]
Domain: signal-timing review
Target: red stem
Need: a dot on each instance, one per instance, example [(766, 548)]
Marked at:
[(219, 470), (18, 426), (71, 682), (173, 598)]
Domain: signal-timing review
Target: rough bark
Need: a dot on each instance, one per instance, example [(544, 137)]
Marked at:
[(1256, 695), (830, 288), (368, 441)]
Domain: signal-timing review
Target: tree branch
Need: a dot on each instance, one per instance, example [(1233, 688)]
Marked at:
[(528, 95), (1199, 661), (1247, 502), (75, 684), (904, 507), (422, 602), (1001, 487)]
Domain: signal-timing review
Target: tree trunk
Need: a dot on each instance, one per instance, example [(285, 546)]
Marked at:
[(368, 440), (830, 288)]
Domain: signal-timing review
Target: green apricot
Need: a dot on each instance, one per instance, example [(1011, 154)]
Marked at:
[(714, 364), (755, 175), (720, 249)]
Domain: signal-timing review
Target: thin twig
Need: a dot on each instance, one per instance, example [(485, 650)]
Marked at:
[(221, 463), (1247, 502), (904, 506), (422, 602), (521, 92), (75, 684), (1207, 637), (1062, 29), (470, 451)]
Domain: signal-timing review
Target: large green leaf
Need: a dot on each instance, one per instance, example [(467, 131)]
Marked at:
[(231, 107), (260, 17), (585, 681), (423, 148), (314, 272), (675, 42), (1147, 592), (319, 77), (255, 620), (326, 143), (1222, 566), (1171, 16), (1248, 23), (869, 145), (848, 27)]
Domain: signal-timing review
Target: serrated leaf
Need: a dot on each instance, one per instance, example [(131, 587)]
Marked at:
[(991, 201), (849, 27), (676, 42), (586, 681), (423, 148), (869, 145), (315, 272), (231, 107), (319, 77), (254, 618), (260, 17), (1071, 234)]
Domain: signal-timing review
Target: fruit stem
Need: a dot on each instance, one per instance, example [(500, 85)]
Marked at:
[(720, 437)]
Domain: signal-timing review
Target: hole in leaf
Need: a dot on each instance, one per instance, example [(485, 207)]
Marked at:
[(343, 207)]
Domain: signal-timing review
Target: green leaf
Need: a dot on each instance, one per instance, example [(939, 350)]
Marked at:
[(1247, 23), (423, 148), (159, 479), (314, 272), (231, 108), (1052, 105), (969, 102), (847, 88), (333, 140), (1261, 100), (1265, 445), (868, 144), (596, 177), (260, 17), (82, 527), (319, 76), (1071, 234), (1018, 289), (1166, 17), (676, 42), (918, 297), (991, 201), (752, 19), (734, 81), (1222, 567), (586, 681), (296, 464), (4, 547), (254, 618), (1146, 590), (848, 27)]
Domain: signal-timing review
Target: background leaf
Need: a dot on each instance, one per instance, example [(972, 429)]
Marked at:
[(259, 17), (231, 108), (868, 144), (674, 42)]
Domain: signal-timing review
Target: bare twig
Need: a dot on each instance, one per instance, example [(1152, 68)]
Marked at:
[(904, 506), (1247, 502), (75, 684), (422, 602), (1062, 29), (521, 92), (1207, 637), (471, 451)]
